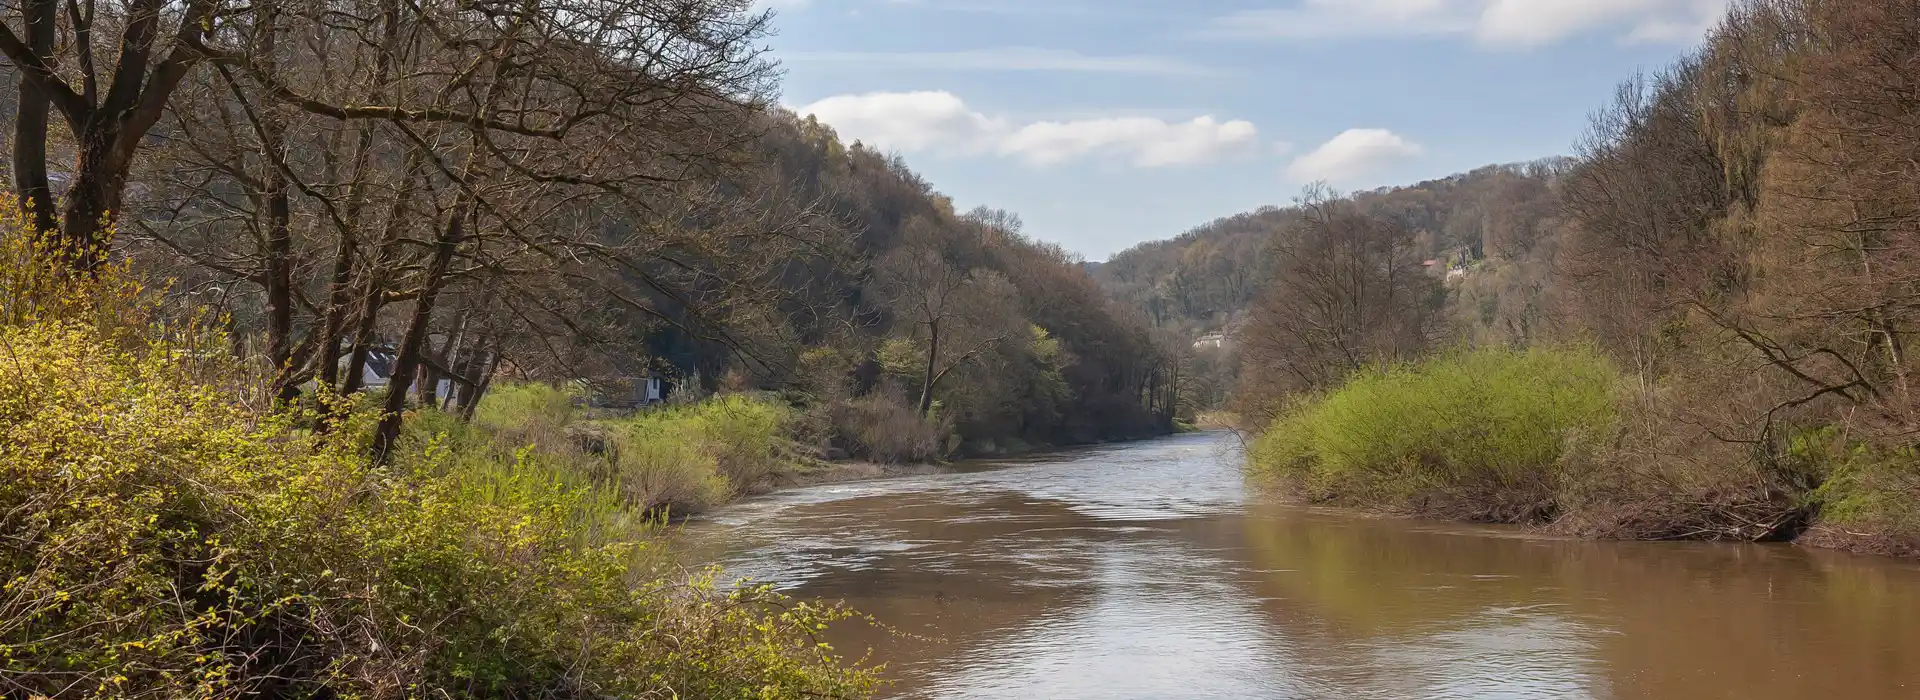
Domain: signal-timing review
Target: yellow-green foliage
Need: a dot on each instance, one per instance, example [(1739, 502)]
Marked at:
[(1863, 486), (1481, 422), (694, 456), (527, 413), (681, 458), (163, 540)]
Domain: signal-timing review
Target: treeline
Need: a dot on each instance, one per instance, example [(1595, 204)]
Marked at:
[(545, 193), (1736, 239)]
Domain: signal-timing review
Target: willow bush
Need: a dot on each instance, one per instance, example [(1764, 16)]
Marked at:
[(680, 459), (1477, 434)]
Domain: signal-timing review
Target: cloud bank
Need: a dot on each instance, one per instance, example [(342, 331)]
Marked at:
[(940, 122), (1009, 59), (1520, 23)]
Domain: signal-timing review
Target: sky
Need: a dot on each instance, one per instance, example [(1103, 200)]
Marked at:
[(1106, 123)]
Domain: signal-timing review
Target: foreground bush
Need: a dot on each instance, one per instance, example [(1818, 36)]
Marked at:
[(1476, 435), (163, 541)]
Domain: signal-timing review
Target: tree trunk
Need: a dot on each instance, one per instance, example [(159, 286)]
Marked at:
[(471, 401), (374, 289), (279, 271), (933, 357), (463, 381), (93, 197), (339, 295), (340, 285), (429, 386), (407, 364), (278, 263), (30, 124), (371, 302)]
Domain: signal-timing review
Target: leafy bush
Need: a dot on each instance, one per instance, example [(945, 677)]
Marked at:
[(1869, 499), (1477, 434), (662, 472), (691, 457), (528, 414), (167, 543), (165, 540), (682, 458)]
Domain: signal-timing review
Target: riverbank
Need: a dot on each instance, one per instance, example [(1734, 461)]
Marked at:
[(1555, 439), (681, 460), (841, 472)]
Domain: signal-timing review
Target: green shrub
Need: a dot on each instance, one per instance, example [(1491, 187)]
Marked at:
[(682, 458), (166, 540), (1476, 434), (666, 472), (541, 411), (695, 456), (1870, 498)]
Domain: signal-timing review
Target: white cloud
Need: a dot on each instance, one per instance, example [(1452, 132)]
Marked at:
[(1315, 19), (1493, 22), (1353, 155), (1532, 22), (908, 121), (941, 122), (1005, 59)]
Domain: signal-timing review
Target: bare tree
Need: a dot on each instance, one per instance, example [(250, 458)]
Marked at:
[(109, 125), (963, 313), (1349, 292)]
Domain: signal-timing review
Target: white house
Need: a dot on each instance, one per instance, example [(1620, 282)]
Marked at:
[(630, 392), (378, 371)]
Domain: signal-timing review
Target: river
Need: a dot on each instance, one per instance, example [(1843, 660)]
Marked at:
[(1148, 570)]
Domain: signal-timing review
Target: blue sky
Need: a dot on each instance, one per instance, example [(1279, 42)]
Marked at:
[(1104, 123)]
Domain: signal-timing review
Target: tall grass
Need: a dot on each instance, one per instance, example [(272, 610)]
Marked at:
[(678, 459), (1476, 434)]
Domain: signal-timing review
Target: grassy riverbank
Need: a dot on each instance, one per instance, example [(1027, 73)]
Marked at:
[(668, 461), (1559, 439)]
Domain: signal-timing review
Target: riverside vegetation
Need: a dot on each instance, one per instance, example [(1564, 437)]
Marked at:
[(1697, 328), (302, 298), (168, 538)]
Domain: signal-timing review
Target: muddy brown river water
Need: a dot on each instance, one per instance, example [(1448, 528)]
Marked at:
[(1149, 571)]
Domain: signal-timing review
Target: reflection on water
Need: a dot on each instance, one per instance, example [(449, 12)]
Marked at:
[(1147, 571)]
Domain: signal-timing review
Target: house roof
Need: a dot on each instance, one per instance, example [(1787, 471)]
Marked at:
[(380, 361)]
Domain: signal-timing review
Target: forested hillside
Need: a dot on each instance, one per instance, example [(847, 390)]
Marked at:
[(1029, 349), (1696, 329), (1207, 280), (745, 250)]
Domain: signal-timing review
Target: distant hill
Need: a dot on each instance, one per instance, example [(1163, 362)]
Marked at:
[(1201, 281)]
